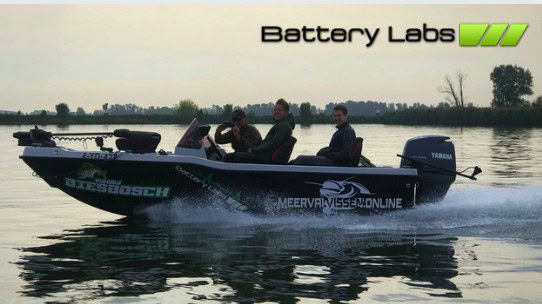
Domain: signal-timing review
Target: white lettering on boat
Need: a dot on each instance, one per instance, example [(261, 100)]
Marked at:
[(339, 203), (117, 188), (447, 156)]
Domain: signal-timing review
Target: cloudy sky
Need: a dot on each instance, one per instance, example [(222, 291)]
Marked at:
[(86, 55)]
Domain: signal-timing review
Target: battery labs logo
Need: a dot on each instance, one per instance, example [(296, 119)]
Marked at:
[(474, 34), (470, 34)]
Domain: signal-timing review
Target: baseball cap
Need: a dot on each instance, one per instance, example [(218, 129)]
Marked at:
[(238, 115)]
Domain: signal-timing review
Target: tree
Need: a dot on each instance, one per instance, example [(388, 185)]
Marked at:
[(80, 111), (305, 110), (43, 113), (228, 109), (510, 82), (62, 110), (186, 108), (538, 101), (453, 92), (200, 115)]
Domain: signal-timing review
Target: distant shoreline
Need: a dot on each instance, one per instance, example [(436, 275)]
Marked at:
[(470, 116)]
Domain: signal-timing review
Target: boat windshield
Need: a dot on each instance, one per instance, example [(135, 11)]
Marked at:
[(191, 138), (196, 136)]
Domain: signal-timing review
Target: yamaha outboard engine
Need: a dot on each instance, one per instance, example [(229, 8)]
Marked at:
[(429, 154)]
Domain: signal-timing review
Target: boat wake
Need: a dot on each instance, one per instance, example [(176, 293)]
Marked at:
[(483, 212)]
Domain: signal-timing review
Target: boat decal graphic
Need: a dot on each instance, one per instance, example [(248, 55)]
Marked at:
[(447, 156), (89, 171), (90, 178), (213, 188), (337, 195), (116, 187), (99, 155), (342, 189)]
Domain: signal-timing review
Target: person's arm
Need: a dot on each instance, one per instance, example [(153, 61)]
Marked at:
[(324, 151), (349, 140), (225, 138), (251, 138), (283, 132)]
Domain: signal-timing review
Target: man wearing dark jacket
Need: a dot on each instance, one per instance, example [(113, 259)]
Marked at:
[(242, 136), (340, 147), (279, 133)]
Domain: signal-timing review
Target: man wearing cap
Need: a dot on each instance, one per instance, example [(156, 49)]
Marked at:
[(242, 136)]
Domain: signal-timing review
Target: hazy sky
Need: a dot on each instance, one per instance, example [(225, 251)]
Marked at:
[(86, 55)]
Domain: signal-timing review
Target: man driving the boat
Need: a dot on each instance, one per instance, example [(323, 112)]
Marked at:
[(242, 136), (340, 147), (279, 133)]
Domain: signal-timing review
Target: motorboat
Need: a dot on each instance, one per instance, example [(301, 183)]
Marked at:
[(134, 176)]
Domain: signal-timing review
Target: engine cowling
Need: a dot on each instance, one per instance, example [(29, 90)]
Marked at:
[(435, 150)]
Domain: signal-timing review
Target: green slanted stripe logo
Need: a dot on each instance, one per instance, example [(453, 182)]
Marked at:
[(494, 34), (514, 34), (471, 34)]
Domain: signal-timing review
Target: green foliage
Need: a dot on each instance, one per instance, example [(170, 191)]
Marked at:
[(62, 110), (451, 116), (468, 116), (186, 109), (80, 111), (510, 83), (228, 109), (43, 113), (200, 115), (305, 110), (538, 101)]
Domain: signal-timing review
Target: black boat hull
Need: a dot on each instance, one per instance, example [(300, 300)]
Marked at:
[(125, 183)]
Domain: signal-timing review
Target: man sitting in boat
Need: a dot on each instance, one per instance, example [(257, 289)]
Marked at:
[(242, 136), (279, 133), (338, 153)]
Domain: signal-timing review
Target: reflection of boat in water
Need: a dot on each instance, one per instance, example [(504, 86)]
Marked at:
[(237, 264), (136, 176)]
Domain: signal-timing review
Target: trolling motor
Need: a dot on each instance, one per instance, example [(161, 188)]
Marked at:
[(132, 141), (35, 137), (40, 138)]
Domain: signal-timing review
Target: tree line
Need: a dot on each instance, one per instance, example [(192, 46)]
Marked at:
[(511, 84)]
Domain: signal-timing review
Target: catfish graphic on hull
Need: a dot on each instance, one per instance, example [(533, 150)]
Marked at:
[(332, 190), (89, 171), (342, 189)]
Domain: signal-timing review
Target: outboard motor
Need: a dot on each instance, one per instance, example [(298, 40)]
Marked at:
[(428, 154), (137, 141)]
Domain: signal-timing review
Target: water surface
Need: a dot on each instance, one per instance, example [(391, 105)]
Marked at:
[(482, 243)]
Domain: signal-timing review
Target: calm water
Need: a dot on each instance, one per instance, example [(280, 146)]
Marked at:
[(483, 243)]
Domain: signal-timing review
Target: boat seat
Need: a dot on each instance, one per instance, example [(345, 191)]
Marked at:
[(355, 155), (282, 153), (137, 141)]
